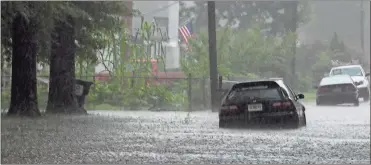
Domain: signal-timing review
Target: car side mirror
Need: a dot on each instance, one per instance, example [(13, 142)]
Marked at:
[(300, 96), (367, 74), (315, 87), (358, 83), (326, 74)]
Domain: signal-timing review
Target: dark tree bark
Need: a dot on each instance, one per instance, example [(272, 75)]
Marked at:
[(62, 98), (23, 100)]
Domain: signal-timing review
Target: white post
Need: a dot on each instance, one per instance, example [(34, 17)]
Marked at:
[(172, 50)]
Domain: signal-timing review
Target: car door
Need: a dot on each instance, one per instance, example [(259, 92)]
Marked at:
[(366, 77)]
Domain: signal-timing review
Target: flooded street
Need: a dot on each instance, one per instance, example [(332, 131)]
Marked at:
[(334, 134)]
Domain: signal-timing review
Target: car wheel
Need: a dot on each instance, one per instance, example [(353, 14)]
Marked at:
[(318, 103), (222, 123), (304, 119), (367, 96), (356, 102), (295, 121)]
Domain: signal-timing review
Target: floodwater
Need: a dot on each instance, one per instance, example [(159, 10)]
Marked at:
[(334, 134)]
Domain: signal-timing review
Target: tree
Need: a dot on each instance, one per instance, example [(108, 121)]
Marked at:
[(334, 44), (339, 50), (246, 14), (62, 69), (23, 89), (259, 55), (22, 29), (90, 20)]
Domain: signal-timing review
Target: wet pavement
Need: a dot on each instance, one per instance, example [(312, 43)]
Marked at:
[(334, 134)]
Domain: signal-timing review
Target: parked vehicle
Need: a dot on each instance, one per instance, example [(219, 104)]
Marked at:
[(225, 87), (357, 73), (261, 100), (337, 89)]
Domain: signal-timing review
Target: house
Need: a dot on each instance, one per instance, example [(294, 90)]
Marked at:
[(107, 56), (165, 18)]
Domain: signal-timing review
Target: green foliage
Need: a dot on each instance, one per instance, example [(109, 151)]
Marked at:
[(339, 50), (137, 97), (238, 55), (42, 96), (131, 75), (249, 53), (334, 44), (304, 83), (5, 98), (92, 18), (247, 14)]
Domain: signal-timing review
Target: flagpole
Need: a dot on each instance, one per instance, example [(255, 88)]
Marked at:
[(187, 21)]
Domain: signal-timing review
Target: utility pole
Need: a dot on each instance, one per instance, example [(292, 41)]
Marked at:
[(212, 55), (362, 29), (294, 15)]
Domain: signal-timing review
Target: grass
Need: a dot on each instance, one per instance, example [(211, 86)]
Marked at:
[(102, 107), (309, 96)]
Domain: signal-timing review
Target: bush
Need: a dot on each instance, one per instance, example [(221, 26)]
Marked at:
[(5, 98), (137, 97), (42, 96)]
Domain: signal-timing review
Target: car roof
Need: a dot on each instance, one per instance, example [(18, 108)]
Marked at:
[(227, 84), (336, 79), (347, 66), (261, 80)]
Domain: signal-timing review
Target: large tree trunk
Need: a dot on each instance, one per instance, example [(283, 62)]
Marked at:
[(23, 100), (62, 98)]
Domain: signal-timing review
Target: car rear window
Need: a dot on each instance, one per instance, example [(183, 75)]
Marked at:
[(351, 71), (338, 79), (261, 90)]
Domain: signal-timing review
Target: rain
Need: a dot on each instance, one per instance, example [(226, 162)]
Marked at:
[(138, 82)]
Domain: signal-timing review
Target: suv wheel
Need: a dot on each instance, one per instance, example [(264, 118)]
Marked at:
[(222, 123), (356, 102), (304, 119), (295, 121), (318, 103), (366, 97)]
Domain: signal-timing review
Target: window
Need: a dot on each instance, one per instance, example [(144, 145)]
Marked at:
[(353, 71), (243, 93), (286, 90), (160, 66), (291, 92)]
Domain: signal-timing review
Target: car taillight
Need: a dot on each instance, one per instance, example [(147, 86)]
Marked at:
[(350, 88), (323, 89), (283, 104)]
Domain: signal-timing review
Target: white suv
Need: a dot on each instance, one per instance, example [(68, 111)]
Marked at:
[(358, 75)]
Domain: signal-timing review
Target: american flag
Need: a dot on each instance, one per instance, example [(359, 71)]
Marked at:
[(186, 32)]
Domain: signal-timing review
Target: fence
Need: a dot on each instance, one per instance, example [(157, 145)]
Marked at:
[(42, 92), (133, 93)]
